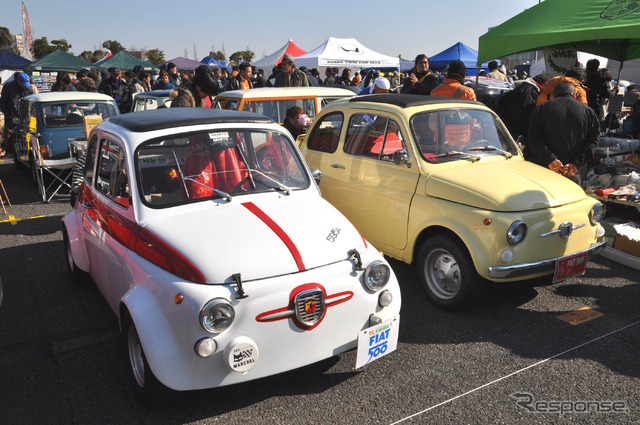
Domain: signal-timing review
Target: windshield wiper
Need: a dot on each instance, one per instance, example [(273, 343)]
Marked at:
[(508, 155), (225, 195), (281, 186), (452, 154)]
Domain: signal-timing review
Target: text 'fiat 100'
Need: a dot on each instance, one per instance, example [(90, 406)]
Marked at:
[(209, 239)]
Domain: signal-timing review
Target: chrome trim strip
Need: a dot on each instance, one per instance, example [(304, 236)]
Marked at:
[(559, 231), (276, 316), (333, 300), (520, 270)]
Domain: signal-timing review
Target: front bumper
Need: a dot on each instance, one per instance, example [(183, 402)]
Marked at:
[(540, 267)]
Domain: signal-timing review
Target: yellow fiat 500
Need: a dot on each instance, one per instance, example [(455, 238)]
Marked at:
[(439, 183)]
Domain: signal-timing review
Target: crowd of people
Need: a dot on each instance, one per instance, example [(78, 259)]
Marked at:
[(557, 120)]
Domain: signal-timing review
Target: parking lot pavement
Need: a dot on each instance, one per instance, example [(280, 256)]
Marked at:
[(508, 360)]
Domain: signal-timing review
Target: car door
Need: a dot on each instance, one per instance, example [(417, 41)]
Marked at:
[(108, 219), (360, 177)]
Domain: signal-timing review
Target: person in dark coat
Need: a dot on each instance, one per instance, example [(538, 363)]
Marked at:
[(12, 92), (598, 93), (514, 107), (563, 133), (117, 88), (420, 80), (313, 81), (242, 81), (331, 79), (290, 76)]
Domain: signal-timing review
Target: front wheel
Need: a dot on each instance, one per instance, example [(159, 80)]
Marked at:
[(146, 387), (447, 273)]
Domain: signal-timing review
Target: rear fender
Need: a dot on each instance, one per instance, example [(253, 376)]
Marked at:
[(72, 223)]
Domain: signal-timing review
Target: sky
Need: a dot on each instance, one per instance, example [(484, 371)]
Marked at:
[(407, 28)]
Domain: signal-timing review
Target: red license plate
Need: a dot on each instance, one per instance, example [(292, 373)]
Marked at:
[(572, 265)]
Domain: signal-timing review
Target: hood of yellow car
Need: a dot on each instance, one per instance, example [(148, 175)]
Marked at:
[(509, 185)]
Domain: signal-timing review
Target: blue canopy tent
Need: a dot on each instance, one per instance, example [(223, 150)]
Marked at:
[(11, 61), (458, 51), (212, 62)]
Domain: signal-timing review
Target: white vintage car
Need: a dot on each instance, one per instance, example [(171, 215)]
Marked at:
[(208, 237)]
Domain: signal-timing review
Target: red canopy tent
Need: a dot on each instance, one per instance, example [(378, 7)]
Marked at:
[(275, 58)]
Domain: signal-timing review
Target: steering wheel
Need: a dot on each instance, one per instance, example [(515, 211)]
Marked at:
[(482, 143)]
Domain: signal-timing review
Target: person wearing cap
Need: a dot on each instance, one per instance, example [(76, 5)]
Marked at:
[(12, 92), (290, 76), (453, 85), (313, 81), (174, 78), (380, 86), (421, 80), (118, 89)]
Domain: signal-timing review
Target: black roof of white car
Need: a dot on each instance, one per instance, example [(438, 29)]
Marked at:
[(159, 119), (408, 100)]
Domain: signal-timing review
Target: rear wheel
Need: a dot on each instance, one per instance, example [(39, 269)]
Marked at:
[(146, 387), (447, 273)]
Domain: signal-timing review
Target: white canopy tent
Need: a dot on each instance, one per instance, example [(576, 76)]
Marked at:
[(345, 53)]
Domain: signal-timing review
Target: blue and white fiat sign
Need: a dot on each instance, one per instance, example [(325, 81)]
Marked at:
[(377, 341)]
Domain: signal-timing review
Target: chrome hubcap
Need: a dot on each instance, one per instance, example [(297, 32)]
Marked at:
[(443, 275)]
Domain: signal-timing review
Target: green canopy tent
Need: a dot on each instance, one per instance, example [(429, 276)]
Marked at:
[(609, 28), (58, 60), (125, 61)]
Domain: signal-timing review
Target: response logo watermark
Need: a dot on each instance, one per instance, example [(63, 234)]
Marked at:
[(528, 402)]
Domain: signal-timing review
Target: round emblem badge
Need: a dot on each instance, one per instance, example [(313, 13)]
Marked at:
[(241, 354)]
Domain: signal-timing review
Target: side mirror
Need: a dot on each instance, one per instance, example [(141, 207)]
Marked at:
[(317, 175), (520, 142), (401, 157)]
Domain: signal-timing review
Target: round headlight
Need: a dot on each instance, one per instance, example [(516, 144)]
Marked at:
[(597, 214), (376, 275), (516, 233), (217, 315)]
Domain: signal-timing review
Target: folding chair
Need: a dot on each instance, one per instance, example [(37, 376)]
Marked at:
[(61, 170), (5, 196)]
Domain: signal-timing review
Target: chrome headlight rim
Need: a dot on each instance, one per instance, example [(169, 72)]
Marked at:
[(597, 213), (371, 278), (217, 305), (513, 236)]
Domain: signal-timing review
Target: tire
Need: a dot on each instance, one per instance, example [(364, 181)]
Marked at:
[(447, 273), (76, 276), (146, 387)]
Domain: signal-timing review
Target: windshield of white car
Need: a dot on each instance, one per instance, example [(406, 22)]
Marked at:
[(221, 164), (474, 131)]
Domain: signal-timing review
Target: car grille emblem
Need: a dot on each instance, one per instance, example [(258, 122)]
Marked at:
[(566, 229), (309, 306)]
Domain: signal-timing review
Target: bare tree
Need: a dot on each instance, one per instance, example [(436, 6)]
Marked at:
[(195, 52), (186, 53)]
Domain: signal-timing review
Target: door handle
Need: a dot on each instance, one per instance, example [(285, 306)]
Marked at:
[(337, 166), (87, 206)]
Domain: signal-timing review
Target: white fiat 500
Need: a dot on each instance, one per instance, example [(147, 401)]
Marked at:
[(208, 237)]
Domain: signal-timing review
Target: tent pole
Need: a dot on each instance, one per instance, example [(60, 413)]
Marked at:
[(623, 53)]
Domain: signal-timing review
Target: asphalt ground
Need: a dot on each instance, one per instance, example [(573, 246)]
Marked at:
[(508, 360)]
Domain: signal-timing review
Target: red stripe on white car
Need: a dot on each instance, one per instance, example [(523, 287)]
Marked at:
[(278, 231)]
